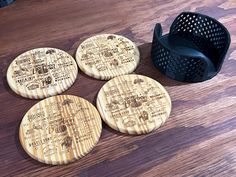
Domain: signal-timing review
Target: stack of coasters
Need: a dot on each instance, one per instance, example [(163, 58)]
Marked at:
[(107, 55), (42, 72), (133, 104), (60, 129)]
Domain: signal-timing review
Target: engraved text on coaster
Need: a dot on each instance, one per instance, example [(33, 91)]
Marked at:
[(42, 72), (106, 56), (60, 129), (133, 104)]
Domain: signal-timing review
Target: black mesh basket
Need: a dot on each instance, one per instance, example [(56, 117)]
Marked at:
[(5, 2), (194, 49)]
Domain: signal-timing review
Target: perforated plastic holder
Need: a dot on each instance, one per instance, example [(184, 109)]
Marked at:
[(194, 49), (4, 3)]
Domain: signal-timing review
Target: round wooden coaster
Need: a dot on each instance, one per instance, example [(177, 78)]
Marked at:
[(42, 72), (60, 129), (107, 55), (134, 104)]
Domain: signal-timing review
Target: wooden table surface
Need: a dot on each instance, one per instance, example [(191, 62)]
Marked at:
[(197, 140)]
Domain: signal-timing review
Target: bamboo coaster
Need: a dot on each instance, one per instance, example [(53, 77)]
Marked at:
[(42, 72), (134, 104), (107, 55), (60, 129)]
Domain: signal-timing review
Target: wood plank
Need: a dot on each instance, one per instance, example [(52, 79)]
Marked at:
[(197, 139)]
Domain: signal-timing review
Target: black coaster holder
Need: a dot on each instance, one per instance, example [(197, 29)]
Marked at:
[(4, 3), (194, 49)]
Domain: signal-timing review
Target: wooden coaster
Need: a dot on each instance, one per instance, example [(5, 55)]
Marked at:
[(107, 55), (42, 72), (134, 104), (60, 129)]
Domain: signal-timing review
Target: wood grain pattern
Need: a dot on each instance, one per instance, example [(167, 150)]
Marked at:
[(133, 104), (60, 129), (198, 138), (42, 72), (105, 56)]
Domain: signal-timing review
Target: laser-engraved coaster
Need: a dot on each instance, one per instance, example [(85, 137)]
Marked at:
[(42, 72), (107, 55), (134, 104), (60, 129)]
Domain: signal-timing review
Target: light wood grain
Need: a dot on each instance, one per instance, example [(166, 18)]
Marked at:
[(134, 104), (198, 138), (60, 129), (42, 72), (105, 56)]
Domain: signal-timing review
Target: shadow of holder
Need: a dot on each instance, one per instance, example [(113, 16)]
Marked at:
[(194, 49), (4, 3)]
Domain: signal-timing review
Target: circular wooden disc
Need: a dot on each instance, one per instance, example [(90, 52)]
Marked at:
[(133, 104), (42, 72), (107, 55), (60, 129)]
